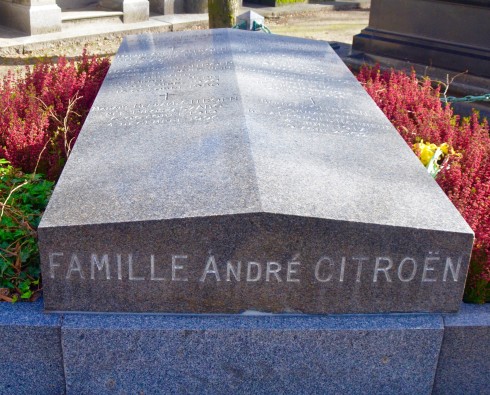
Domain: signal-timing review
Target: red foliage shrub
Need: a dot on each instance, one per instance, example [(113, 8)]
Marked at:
[(43, 112), (416, 111)]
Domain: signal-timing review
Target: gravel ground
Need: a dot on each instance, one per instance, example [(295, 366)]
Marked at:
[(338, 26)]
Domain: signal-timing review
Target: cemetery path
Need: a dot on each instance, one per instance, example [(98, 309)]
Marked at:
[(338, 26)]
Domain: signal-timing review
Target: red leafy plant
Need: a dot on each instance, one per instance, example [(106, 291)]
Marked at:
[(43, 111), (415, 109)]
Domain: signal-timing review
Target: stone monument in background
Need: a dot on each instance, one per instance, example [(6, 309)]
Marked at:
[(448, 34), (45, 16)]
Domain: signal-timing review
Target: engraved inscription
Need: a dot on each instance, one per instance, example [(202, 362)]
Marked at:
[(163, 68), (156, 83), (313, 116), (167, 111), (326, 269)]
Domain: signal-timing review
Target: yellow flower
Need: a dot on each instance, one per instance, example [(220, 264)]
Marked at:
[(425, 151), (445, 148), (432, 155)]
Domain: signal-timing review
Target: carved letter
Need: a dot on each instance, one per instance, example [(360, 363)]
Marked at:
[(119, 266), (152, 267), (359, 266), (100, 266), (400, 270), (429, 268), (317, 269), (292, 270), (342, 269), (274, 271), (130, 269), (74, 267), (52, 263), (382, 269), (249, 271), (211, 268), (454, 272), (176, 267), (236, 272)]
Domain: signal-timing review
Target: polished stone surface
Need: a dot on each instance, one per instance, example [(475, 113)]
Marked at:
[(251, 355), (464, 363), (30, 350), (126, 353), (224, 171)]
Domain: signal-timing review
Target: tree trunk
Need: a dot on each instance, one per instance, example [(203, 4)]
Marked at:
[(222, 13)]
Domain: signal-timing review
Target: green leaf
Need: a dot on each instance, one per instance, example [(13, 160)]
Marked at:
[(26, 295)]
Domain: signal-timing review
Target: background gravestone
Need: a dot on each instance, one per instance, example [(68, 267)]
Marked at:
[(224, 171), (449, 34)]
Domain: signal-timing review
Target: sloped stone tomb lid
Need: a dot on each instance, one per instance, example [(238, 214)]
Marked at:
[(227, 171)]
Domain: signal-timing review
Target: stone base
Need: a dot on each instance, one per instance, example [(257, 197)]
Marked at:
[(38, 19), (464, 362), (250, 355), (136, 11), (430, 52), (31, 356), (429, 32), (156, 354)]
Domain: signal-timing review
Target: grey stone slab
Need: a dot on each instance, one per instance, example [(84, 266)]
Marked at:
[(30, 350), (251, 355), (464, 363), (224, 171)]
